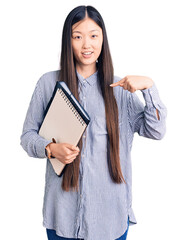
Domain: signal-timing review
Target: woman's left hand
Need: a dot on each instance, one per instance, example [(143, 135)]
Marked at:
[(133, 83)]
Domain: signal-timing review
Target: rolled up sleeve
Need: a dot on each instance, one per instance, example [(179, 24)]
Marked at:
[(144, 120)]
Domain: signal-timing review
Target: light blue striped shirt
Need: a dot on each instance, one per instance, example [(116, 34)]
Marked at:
[(100, 209)]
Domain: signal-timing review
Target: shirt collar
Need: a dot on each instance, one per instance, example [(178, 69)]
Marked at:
[(91, 80)]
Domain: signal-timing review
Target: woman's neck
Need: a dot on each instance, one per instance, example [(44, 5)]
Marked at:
[(86, 71)]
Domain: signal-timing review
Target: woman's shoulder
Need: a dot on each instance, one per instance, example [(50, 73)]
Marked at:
[(51, 76), (47, 81), (46, 84)]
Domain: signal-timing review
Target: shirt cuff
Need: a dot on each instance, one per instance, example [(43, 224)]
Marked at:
[(40, 147), (151, 96)]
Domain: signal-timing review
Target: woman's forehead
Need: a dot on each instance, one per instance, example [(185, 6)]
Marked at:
[(86, 25)]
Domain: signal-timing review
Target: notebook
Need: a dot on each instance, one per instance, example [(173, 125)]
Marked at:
[(65, 120)]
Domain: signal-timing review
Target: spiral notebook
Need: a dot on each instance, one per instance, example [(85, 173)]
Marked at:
[(65, 120)]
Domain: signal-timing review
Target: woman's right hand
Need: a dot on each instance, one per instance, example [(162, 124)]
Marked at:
[(64, 152)]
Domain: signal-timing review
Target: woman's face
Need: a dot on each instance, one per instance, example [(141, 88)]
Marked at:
[(87, 39)]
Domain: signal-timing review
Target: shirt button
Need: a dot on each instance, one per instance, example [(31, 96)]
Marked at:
[(84, 136), (84, 97)]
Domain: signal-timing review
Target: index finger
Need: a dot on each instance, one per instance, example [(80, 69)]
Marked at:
[(118, 83)]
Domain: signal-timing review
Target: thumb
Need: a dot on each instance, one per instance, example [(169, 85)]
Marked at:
[(72, 147)]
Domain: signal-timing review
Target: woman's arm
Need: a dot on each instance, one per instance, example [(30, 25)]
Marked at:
[(148, 121), (31, 142)]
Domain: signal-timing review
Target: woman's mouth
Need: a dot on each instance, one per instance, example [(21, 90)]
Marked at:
[(87, 54)]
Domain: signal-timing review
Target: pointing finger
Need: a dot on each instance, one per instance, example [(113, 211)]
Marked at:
[(119, 83)]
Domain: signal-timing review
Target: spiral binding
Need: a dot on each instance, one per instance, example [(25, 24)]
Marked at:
[(75, 112)]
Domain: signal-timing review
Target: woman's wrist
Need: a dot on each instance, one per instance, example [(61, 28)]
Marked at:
[(49, 152)]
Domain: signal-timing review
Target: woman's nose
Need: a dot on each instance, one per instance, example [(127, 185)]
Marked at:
[(86, 43)]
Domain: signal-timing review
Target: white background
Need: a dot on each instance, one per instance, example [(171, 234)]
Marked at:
[(146, 38)]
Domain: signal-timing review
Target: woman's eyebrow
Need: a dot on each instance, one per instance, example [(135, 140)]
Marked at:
[(90, 31), (94, 30), (76, 32)]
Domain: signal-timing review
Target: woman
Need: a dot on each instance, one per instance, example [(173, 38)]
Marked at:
[(92, 199)]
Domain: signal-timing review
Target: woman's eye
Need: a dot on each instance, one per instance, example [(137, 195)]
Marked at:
[(94, 36), (77, 37)]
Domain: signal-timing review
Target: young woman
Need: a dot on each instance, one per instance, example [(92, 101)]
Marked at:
[(92, 200)]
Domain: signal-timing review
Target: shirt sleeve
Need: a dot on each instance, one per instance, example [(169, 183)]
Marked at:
[(144, 120), (31, 142)]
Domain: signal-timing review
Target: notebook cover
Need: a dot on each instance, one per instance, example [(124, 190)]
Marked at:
[(65, 120)]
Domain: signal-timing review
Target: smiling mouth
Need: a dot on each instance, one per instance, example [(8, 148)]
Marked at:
[(87, 53)]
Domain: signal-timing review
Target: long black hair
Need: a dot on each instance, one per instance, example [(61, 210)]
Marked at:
[(105, 77)]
